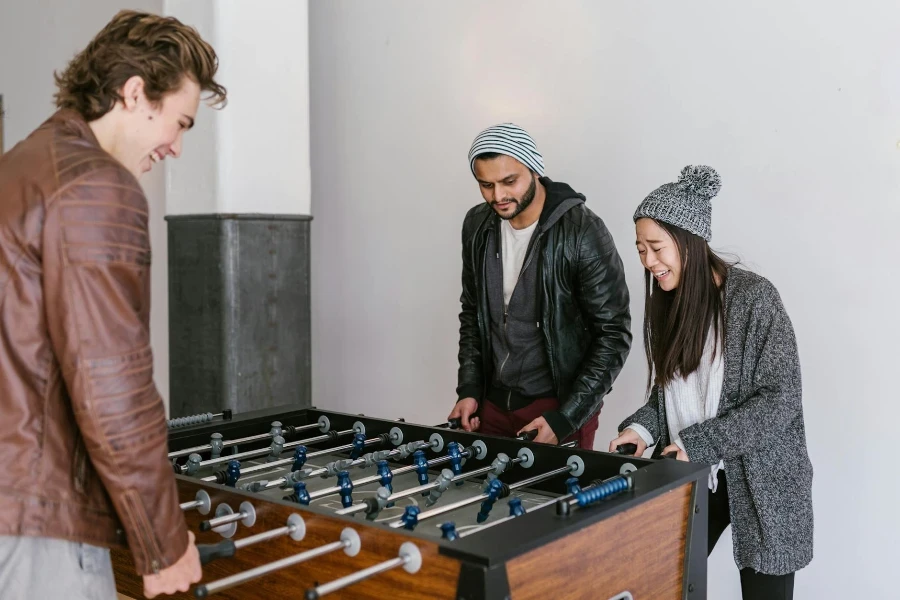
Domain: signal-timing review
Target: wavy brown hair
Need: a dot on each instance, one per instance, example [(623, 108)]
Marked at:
[(160, 50), (676, 323)]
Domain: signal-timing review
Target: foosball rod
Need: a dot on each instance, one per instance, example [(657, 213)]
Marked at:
[(295, 527), (198, 419), (569, 468), (201, 502), (284, 461), (467, 453), (275, 431), (436, 443), (409, 557), (349, 543), (569, 496), (411, 491), (263, 451), (246, 514), (336, 489), (285, 481)]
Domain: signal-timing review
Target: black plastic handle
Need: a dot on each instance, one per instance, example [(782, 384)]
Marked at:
[(454, 423), (210, 552), (528, 435), (671, 454), (626, 449)]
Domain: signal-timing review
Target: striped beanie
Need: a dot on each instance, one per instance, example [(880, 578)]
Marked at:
[(511, 140)]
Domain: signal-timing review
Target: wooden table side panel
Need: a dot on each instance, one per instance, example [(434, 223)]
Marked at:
[(436, 579), (640, 550)]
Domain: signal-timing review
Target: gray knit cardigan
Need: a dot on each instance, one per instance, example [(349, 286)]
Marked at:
[(758, 432)]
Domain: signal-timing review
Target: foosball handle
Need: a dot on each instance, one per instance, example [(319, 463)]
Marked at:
[(454, 423), (671, 454), (528, 435), (626, 449), (210, 552)]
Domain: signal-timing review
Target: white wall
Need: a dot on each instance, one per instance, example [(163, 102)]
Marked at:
[(253, 156), (797, 105), (38, 37)]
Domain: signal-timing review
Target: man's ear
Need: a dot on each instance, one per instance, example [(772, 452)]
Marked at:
[(133, 92)]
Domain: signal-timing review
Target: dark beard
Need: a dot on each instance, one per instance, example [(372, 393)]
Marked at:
[(525, 202)]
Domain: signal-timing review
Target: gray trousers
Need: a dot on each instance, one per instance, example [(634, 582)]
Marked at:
[(37, 567)]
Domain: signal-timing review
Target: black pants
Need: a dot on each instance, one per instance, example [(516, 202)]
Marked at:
[(754, 585)]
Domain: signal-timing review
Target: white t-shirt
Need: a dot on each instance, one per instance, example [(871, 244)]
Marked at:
[(514, 246)]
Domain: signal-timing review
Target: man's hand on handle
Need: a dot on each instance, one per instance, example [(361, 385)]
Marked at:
[(178, 577), (464, 411), (545, 435)]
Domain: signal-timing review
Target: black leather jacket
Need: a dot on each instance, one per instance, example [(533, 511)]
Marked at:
[(584, 303)]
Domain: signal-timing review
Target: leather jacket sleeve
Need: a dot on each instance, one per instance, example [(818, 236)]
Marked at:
[(603, 297), (96, 261), (470, 376)]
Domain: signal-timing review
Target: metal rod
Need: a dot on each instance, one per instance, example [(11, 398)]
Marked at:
[(322, 471), (459, 504), (191, 505), (239, 578), (264, 451), (351, 510), (333, 586), (284, 461), (225, 519), (411, 491), (569, 497), (316, 472), (265, 535), (539, 478), (229, 443), (468, 532)]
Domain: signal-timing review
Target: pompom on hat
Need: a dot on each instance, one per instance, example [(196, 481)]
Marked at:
[(685, 203)]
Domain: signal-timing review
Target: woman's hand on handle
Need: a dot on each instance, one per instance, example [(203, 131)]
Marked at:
[(629, 436)]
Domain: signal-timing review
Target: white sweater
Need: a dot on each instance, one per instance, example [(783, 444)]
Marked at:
[(694, 399)]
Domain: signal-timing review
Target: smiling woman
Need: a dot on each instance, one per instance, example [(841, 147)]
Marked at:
[(726, 391)]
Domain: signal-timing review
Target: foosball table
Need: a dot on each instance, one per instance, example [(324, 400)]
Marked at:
[(308, 503)]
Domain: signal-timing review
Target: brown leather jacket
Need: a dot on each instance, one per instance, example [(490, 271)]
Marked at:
[(83, 436)]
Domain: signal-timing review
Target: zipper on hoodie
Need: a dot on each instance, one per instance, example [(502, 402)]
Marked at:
[(505, 321), (533, 244)]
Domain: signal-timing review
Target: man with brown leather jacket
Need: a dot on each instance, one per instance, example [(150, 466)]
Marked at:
[(83, 436)]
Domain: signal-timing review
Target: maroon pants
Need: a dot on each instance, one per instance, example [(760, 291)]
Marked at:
[(496, 421)]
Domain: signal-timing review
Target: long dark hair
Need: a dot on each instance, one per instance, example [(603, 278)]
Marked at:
[(676, 323)]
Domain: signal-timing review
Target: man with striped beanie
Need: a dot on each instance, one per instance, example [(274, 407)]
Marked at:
[(545, 322)]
